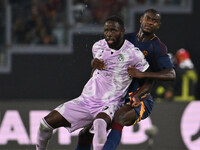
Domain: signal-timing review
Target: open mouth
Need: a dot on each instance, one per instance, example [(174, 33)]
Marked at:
[(110, 42)]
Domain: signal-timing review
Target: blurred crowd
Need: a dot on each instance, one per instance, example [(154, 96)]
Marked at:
[(36, 21), (159, 2), (95, 11), (46, 22)]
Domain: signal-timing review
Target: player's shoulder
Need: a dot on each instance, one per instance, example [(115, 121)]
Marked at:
[(156, 40), (129, 45), (159, 45), (101, 43), (132, 48)]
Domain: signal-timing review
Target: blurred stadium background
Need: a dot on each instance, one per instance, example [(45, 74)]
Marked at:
[(45, 55)]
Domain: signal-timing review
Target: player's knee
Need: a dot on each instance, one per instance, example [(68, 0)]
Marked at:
[(123, 120), (44, 125), (119, 119)]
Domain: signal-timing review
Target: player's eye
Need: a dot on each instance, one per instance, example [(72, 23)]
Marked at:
[(147, 18)]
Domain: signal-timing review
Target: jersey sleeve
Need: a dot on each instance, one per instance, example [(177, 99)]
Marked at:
[(165, 62), (162, 57), (140, 61), (95, 48)]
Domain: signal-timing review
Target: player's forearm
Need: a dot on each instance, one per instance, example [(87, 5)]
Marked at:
[(165, 75), (145, 88)]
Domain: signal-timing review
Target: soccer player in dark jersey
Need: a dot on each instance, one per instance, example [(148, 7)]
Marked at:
[(162, 69), (139, 103)]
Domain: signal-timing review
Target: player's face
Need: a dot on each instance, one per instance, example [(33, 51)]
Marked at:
[(113, 34), (150, 22)]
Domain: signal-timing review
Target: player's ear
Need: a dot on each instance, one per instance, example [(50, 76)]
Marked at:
[(141, 19), (158, 26)]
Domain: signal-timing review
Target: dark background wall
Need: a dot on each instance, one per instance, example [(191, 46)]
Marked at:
[(64, 75)]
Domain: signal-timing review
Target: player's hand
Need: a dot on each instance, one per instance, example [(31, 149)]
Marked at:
[(133, 72), (135, 102), (98, 64)]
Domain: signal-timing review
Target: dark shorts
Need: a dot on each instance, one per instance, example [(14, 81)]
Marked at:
[(144, 110)]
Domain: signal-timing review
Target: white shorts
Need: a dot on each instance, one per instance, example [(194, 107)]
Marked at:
[(80, 112)]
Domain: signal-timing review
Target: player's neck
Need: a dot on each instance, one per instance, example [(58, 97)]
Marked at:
[(118, 46), (142, 37)]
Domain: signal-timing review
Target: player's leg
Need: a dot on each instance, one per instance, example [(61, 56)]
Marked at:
[(70, 114), (100, 124), (52, 121), (125, 116), (85, 139)]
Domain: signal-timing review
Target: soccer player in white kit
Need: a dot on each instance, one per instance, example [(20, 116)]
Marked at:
[(103, 93)]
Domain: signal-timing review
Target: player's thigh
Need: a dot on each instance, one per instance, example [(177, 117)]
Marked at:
[(107, 112), (125, 115), (56, 120)]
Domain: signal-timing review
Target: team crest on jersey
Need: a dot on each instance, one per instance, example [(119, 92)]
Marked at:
[(145, 52), (120, 58)]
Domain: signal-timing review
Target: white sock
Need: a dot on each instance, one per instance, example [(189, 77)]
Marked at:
[(100, 134), (44, 134)]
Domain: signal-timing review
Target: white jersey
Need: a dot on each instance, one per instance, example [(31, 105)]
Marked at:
[(106, 88), (111, 84)]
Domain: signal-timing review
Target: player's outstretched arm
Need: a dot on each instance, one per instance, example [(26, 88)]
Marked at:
[(165, 75)]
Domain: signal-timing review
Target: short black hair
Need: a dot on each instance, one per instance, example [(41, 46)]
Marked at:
[(117, 19), (152, 11)]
